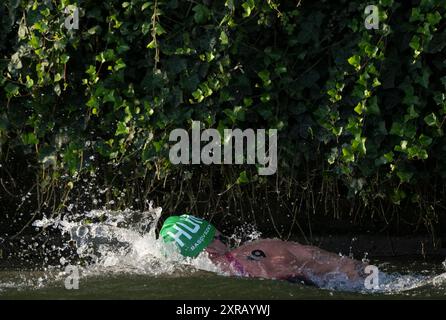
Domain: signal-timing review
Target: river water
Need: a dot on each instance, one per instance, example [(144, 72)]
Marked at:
[(118, 257)]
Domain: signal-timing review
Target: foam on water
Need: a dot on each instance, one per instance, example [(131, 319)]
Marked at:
[(124, 242), (106, 243)]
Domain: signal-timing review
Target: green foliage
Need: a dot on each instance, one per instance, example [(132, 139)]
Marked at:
[(356, 104)]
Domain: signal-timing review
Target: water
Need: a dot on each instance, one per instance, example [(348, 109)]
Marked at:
[(192, 285), (117, 256)]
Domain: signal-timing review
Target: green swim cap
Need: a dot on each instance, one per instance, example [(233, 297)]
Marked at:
[(190, 233)]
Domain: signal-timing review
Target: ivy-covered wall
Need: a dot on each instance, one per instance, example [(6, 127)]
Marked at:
[(85, 114)]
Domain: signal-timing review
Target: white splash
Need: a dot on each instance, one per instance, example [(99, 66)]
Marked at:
[(123, 242)]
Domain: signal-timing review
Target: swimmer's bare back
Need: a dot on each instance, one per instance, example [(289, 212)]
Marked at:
[(277, 259)]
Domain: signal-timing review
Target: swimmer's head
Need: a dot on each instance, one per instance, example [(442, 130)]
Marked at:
[(190, 234)]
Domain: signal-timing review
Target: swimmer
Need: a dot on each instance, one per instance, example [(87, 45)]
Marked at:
[(265, 258)]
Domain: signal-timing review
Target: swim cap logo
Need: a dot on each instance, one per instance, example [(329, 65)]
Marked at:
[(190, 234), (203, 236), (176, 236)]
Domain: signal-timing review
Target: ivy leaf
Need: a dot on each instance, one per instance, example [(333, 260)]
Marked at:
[(415, 43), (201, 13), (397, 196), (242, 178), (29, 82), (372, 106), (57, 77), (434, 18), (145, 6), (224, 38), (64, 58), (29, 138), (404, 176), (94, 30), (389, 156), (424, 140), (152, 44), (57, 89), (15, 63), (348, 155), (12, 90), (416, 15), (280, 69), (247, 102), (355, 61), (159, 29), (248, 6), (120, 64), (431, 120), (358, 108), (264, 75), (121, 129)]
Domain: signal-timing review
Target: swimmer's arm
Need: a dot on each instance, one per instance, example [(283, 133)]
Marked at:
[(319, 261)]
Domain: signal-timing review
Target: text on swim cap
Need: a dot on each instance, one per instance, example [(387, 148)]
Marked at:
[(195, 222)]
